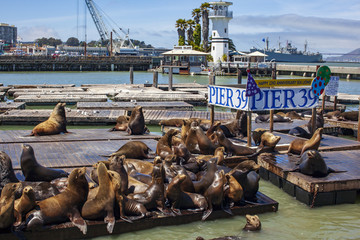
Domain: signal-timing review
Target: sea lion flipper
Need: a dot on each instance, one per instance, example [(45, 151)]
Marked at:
[(126, 219), (206, 214), (110, 220), (78, 221)]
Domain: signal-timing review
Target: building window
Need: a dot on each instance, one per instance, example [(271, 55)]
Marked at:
[(214, 34), (214, 48), (225, 45), (225, 30)]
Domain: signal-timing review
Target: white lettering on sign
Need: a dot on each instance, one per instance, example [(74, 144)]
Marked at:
[(268, 98), (332, 87)]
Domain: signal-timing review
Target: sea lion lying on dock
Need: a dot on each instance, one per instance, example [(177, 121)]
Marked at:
[(276, 117), (299, 146), (299, 132), (121, 124), (133, 149), (332, 115), (55, 124), (351, 116)]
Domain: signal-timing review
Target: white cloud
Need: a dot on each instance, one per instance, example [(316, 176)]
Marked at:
[(32, 33)]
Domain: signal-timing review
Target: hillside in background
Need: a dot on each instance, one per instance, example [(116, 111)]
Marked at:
[(353, 56)]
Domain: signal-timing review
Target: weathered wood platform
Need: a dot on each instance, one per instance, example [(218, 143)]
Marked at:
[(73, 117), (342, 124), (196, 99), (68, 93), (336, 188), (64, 90), (41, 85), (4, 106), (53, 99), (98, 228), (174, 106)]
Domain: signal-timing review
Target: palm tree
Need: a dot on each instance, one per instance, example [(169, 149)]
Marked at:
[(181, 26), (196, 14), (205, 24), (190, 31)]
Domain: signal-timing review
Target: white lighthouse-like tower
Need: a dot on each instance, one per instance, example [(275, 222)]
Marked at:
[(220, 17)]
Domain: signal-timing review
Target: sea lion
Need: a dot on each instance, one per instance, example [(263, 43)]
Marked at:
[(131, 171), (205, 145), (215, 194), (183, 155), (219, 154), (133, 149), (33, 171), (319, 121), (236, 127), (136, 186), (185, 128), (174, 122), (153, 197), (202, 185), (42, 190), (7, 200), (213, 129), (130, 207), (183, 200), (313, 164), (163, 147), (270, 140), (299, 146), (256, 134), (299, 132), (232, 148), (186, 185), (293, 115), (102, 206), (252, 223), (64, 206), (27, 201), (276, 118), (55, 124), (136, 125), (191, 141), (350, 116), (7, 174), (121, 124), (249, 181), (141, 166), (234, 192), (331, 115), (117, 165)]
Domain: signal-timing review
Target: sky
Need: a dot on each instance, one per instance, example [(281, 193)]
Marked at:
[(329, 26)]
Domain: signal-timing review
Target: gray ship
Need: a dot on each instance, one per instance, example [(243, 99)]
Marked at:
[(288, 54)]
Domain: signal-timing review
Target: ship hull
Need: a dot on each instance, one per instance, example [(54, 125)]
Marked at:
[(283, 57)]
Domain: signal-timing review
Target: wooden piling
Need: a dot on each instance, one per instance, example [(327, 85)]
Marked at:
[(313, 121), (155, 79), (358, 131), (131, 75), (170, 78), (239, 75), (212, 111), (249, 128), (335, 102)]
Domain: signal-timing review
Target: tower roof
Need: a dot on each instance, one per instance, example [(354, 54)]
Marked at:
[(221, 3)]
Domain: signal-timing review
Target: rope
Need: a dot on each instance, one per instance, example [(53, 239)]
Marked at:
[(315, 194)]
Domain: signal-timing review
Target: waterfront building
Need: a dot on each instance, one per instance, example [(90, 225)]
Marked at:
[(184, 60), (8, 33), (220, 17)]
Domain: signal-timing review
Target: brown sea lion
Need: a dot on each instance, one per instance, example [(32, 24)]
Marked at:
[(191, 141), (249, 181), (232, 148), (319, 121), (202, 185), (205, 144), (185, 129), (136, 186), (153, 197), (64, 206), (215, 194), (183, 200), (121, 124), (27, 202), (174, 122), (163, 147), (130, 207), (7, 174), (331, 115), (299, 132), (270, 140), (141, 166), (350, 116), (42, 190), (136, 125), (313, 164), (293, 115), (281, 114), (102, 205), (299, 146), (252, 223), (256, 134), (276, 118), (234, 192), (55, 124), (213, 128), (33, 171), (219, 154), (7, 200), (133, 149), (117, 165), (236, 127), (186, 185)]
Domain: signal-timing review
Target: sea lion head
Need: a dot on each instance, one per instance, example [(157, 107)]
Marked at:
[(252, 223), (115, 179), (157, 160), (59, 110), (180, 178), (77, 176), (29, 191), (9, 190)]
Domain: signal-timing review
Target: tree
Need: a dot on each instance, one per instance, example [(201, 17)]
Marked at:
[(197, 37), (72, 41), (181, 26), (232, 46), (48, 41), (205, 24), (190, 31), (196, 14)]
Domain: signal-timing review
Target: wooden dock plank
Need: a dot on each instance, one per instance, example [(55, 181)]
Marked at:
[(51, 99), (5, 106), (173, 105)]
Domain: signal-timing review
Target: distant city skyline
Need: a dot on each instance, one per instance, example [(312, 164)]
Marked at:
[(328, 26)]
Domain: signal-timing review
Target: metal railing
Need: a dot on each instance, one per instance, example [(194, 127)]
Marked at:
[(221, 13)]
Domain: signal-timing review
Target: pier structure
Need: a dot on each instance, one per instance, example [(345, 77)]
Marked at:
[(74, 63)]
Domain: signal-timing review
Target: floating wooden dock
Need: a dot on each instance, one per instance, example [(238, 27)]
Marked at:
[(22, 91), (174, 106), (5, 106), (53, 99)]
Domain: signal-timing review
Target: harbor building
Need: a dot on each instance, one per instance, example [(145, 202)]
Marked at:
[(8, 33), (220, 17)]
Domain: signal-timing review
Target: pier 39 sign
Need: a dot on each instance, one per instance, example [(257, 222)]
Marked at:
[(266, 99)]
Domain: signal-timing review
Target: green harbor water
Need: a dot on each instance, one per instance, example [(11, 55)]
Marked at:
[(293, 220)]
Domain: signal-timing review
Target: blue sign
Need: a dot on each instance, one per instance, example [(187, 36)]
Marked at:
[(268, 98)]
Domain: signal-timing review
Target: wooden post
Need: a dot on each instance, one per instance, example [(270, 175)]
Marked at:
[(335, 102), (323, 102), (239, 75), (131, 75), (155, 79), (212, 111), (358, 131), (313, 120), (170, 78), (249, 128), (273, 76)]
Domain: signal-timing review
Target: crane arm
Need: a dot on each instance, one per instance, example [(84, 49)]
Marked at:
[(99, 23)]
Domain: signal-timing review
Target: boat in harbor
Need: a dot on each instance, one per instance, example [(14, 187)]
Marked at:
[(289, 53)]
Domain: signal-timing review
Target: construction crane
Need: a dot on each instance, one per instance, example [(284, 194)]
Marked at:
[(120, 45)]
